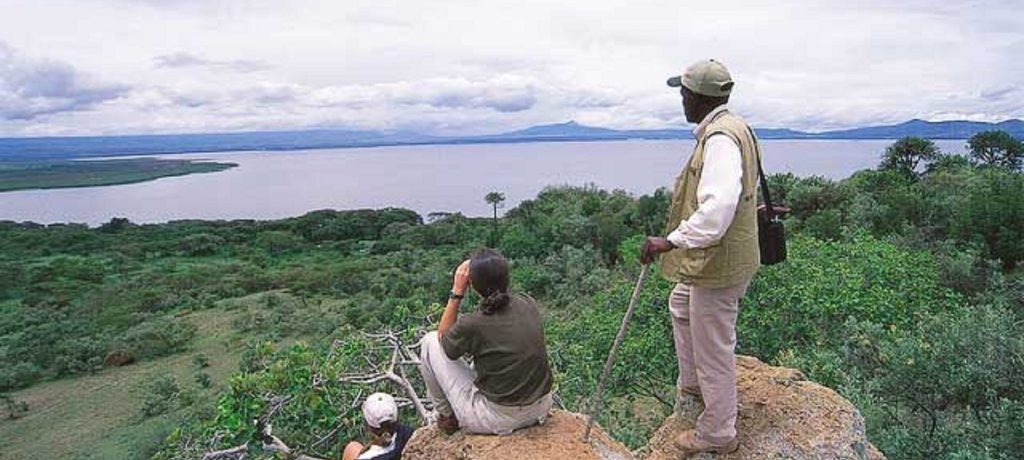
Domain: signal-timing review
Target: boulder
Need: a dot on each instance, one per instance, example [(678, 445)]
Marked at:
[(781, 415), (118, 359), (559, 438)]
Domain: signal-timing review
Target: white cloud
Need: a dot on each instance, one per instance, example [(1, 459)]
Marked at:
[(32, 88), (186, 60), (451, 66)]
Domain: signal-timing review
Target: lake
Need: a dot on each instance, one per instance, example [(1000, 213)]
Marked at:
[(452, 178)]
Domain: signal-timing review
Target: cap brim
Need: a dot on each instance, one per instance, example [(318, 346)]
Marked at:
[(675, 82)]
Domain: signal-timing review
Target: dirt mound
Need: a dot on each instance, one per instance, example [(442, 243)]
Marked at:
[(118, 359), (781, 415), (558, 439)]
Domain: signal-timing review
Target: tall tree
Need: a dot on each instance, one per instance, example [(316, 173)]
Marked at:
[(996, 148), (497, 200), (907, 153)]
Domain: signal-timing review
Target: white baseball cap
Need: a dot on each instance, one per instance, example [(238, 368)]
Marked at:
[(379, 408)]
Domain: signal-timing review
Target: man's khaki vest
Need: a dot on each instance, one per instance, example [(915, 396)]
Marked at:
[(736, 256)]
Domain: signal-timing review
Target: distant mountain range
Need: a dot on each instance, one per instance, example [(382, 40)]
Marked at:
[(51, 148)]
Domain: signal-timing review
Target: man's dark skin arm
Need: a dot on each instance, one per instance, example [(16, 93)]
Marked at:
[(653, 246)]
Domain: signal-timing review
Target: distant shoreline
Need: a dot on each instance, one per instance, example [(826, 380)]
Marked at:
[(96, 172), (54, 148), (107, 156)]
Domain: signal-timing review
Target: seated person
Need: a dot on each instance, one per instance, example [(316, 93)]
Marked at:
[(509, 384), (387, 435)]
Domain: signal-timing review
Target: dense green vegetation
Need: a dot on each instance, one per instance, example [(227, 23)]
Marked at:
[(59, 174), (903, 292)]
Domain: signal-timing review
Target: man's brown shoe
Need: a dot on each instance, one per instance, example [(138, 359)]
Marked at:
[(688, 443), (448, 424)]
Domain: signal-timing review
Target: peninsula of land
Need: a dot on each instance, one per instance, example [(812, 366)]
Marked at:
[(24, 175)]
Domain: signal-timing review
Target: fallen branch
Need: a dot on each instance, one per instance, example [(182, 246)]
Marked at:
[(393, 371), (400, 355), (237, 452)]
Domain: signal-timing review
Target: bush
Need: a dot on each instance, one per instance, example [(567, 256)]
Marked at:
[(160, 397), (803, 303), (156, 337), (994, 215), (278, 242), (825, 225), (951, 384), (11, 408), (202, 244), (19, 375)]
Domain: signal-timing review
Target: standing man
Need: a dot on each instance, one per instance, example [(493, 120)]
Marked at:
[(711, 253)]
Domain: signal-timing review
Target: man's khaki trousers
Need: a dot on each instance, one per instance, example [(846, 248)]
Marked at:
[(704, 325)]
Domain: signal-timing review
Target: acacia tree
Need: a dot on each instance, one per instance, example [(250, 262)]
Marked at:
[(497, 200), (907, 153), (996, 148)]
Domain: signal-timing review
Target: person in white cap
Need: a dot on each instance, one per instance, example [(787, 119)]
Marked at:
[(710, 252), (388, 435)]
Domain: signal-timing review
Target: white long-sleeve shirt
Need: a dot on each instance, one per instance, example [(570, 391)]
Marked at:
[(718, 192)]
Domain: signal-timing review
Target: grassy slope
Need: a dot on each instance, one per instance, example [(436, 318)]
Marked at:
[(21, 176), (96, 416)]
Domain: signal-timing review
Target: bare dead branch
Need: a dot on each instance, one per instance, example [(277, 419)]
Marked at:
[(237, 452)]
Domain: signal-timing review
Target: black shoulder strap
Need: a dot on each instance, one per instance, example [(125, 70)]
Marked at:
[(769, 210)]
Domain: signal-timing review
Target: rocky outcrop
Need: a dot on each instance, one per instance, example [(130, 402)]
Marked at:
[(560, 438), (781, 415)]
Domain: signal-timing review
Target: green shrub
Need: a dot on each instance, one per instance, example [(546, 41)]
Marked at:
[(201, 244), (161, 396), (278, 242), (951, 384), (804, 302), (19, 375), (156, 337), (994, 215), (825, 225), (12, 408)]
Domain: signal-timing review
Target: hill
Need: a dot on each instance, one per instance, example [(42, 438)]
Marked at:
[(50, 148), (958, 129)]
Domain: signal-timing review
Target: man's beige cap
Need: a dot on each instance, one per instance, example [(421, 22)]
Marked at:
[(708, 77)]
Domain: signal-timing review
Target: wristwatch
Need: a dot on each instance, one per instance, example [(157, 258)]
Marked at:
[(453, 295)]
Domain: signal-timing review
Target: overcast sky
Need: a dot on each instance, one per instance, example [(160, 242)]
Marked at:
[(462, 67)]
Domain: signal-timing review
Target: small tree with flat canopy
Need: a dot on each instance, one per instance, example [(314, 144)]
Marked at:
[(907, 153), (996, 148)]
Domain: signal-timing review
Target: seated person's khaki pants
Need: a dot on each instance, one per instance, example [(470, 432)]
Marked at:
[(450, 384)]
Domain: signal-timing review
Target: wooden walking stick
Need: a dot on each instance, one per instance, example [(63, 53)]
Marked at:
[(595, 404)]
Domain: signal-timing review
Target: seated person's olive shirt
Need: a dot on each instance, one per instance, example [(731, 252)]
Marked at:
[(509, 356)]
